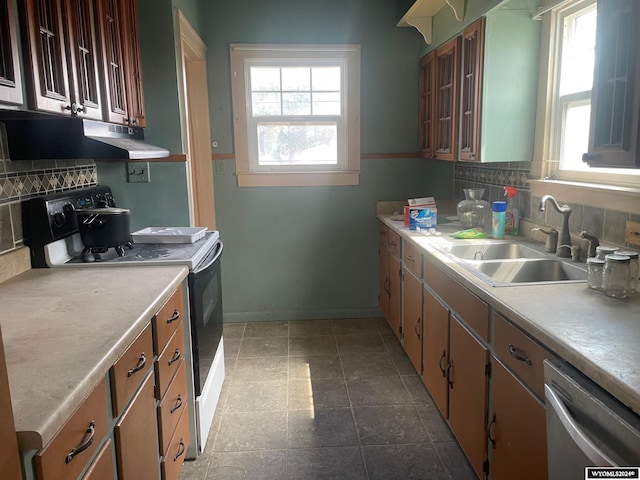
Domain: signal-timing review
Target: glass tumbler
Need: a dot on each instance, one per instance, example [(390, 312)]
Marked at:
[(634, 269), (595, 268)]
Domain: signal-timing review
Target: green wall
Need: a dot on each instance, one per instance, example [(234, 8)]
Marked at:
[(311, 252)]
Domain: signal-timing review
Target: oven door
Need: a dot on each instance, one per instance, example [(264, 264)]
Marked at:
[(205, 302)]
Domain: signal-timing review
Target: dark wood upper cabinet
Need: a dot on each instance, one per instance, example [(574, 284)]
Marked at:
[(10, 79), (426, 132), (472, 62), (446, 105), (121, 62), (615, 106)]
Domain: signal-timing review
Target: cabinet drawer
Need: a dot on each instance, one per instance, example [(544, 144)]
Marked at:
[(412, 259), (171, 407), (520, 353), (394, 244), (168, 362), (384, 234), (468, 307), (166, 321), (67, 454), (130, 369), (102, 467), (172, 462)]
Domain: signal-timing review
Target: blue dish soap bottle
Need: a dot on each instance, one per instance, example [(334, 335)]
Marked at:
[(497, 230)]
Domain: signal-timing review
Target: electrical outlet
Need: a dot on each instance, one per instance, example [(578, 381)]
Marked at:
[(138, 172)]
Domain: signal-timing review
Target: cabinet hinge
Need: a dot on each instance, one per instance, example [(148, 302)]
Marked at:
[(487, 370), (485, 466)]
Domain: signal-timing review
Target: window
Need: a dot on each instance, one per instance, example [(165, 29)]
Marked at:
[(572, 55), (296, 114)]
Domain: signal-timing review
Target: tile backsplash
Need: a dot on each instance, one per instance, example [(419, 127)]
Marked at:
[(21, 180), (608, 225)]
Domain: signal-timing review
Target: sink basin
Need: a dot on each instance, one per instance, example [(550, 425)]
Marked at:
[(528, 271), (492, 251)]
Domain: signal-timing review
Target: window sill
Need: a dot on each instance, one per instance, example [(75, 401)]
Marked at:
[(592, 194), (315, 179)]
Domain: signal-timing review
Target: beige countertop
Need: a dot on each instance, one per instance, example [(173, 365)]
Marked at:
[(94, 313), (598, 335)]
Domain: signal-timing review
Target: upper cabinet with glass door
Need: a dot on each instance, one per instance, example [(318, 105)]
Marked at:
[(10, 80)]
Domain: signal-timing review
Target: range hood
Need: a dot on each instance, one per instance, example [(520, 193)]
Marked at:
[(35, 136)]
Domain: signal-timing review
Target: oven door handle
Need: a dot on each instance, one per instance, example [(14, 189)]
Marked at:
[(211, 258)]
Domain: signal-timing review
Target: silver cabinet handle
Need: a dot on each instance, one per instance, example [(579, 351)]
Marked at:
[(411, 259), (580, 438)]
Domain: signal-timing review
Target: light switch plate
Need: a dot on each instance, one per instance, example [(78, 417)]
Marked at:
[(138, 172)]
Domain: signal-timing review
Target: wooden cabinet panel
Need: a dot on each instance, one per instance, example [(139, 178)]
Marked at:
[(469, 307), (383, 231), (520, 353), (435, 350), (134, 67), (172, 463), (395, 244), (68, 452), (468, 393), (171, 408), (383, 280), (426, 131), (412, 259), (130, 369), (517, 430), (136, 437), (395, 295), (168, 362), (412, 318), (472, 62), (446, 105), (102, 466), (10, 77), (9, 456), (166, 321)]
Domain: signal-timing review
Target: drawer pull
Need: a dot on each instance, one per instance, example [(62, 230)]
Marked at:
[(180, 450), (416, 328), (411, 259), (177, 405), (89, 434), (442, 369), (392, 243), (174, 317), (513, 351), (175, 358), (489, 430), (141, 363)]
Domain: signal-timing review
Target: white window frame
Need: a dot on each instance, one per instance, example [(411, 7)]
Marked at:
[(248, 171), (614, 183)]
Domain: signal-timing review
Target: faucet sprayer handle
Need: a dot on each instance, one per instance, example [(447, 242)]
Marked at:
[(593, 243)]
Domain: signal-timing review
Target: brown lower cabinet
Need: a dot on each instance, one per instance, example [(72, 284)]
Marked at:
[(435, 350), (136, 436), (517, 429), (102, 466), (412, 318)]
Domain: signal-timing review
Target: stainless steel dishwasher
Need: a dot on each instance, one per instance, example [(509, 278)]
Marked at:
[(586, 426)]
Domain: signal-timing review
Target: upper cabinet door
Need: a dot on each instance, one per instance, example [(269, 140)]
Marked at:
[(446, 108), (10, 80), (613, 139), (83, 58), (134, 66), (45, 49), (427, 99), (472, 61)]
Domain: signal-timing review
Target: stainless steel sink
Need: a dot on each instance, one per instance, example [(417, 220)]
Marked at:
[(529, 271), (492, 251)]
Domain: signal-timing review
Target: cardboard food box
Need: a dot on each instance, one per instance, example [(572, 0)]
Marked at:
[(415, 203), (422, 217)]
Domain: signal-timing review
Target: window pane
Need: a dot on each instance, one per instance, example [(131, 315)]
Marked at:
[(578, 52), (265, 79), (576, 137), (296, 103), (296, 79), (326, 103), (265, 104), (303, 144), (326, 79)]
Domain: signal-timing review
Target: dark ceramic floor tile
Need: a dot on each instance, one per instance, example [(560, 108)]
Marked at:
[(260, 465), (392, 343), (311, 327), (313, 345), (195, 469), (360, 325), (455, 461), (343, 463), (378, 391), (233, 330), (418, 392), (252, 431), (321, 428), (389, 425), (360, 343), (437, 427), (231, 347), (257, 397), (315, 367), (367, 365), (317, 394), (264, 347), (404, 462), (403, 364), (266, 329), (258, 369)]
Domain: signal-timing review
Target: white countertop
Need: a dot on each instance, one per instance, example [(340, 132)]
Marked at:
[(64, 328), (598, 335)]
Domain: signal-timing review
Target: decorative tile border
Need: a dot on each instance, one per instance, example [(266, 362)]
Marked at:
[(495, 174)]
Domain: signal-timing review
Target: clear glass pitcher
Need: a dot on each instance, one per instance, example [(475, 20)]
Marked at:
[(473, 212)]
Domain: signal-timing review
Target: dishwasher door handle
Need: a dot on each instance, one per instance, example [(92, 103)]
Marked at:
[(579, 437)]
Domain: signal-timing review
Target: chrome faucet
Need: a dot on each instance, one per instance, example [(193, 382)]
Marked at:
[(564, 243)]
